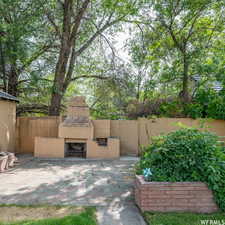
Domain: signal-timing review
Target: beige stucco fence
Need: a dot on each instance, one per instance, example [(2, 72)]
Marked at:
[(7, 125), (30, 127), (132, 133)]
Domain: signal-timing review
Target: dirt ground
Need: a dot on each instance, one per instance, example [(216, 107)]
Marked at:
[(14, 213)]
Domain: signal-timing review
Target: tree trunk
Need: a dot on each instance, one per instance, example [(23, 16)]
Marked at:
[(62, 63), (54, 109), (59, 87), (13, 81), (185, 93), (4, 78)]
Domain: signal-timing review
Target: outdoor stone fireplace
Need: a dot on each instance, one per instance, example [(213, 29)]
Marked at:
[(78, 136)]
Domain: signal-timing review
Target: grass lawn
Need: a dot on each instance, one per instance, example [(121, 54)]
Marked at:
[(184, 219), (84, 217)]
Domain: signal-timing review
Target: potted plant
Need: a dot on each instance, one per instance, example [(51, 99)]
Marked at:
[(3, 161), (11, 159)]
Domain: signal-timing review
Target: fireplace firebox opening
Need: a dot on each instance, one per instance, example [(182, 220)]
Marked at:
[(75, 150)]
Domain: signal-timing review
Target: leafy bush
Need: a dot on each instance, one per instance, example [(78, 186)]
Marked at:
[(150, 107), (187, 155), (194, 110), (207, 103), (173, 108)]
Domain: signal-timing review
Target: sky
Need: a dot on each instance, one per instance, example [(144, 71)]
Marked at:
[(121, 39)]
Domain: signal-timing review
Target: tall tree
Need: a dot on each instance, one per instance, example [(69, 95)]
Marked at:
[(79, 23), (179, 33), (20, 42)]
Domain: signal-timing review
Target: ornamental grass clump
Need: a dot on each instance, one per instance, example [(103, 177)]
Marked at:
[(187, 155)]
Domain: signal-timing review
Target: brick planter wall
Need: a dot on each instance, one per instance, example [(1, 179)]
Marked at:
[(174, 196)]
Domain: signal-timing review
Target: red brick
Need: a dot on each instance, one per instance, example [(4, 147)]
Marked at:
[(172, 192), (172, 197)]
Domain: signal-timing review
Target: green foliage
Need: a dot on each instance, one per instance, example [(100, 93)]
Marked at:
[(207, 103), (175, 30), (182, 218), (30, 45), (171, 109), (187, 155), (194, 110)]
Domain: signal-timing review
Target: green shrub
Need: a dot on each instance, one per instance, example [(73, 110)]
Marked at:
[(207, 103), (187, 155), (171, 108), (194, 110)]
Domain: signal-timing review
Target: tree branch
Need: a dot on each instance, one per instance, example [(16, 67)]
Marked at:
[(78, 19), (35, 56), (91, 77), (198, 14), (95, 35), (33, 108), (27, 80), (51, 20)]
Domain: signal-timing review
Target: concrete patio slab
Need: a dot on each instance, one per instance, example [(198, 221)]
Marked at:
[(120, 214), (106, 184)]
